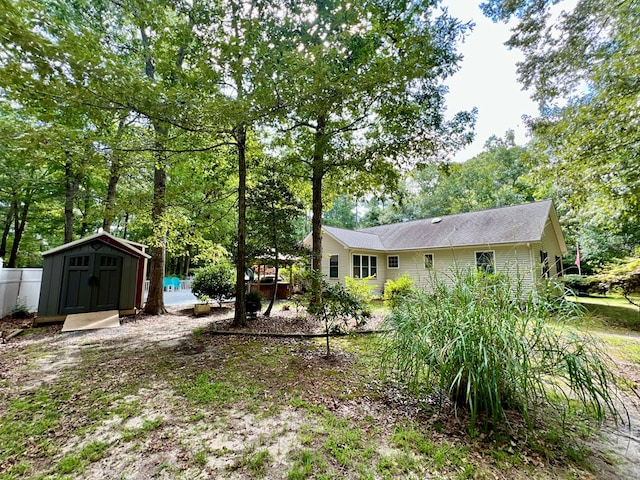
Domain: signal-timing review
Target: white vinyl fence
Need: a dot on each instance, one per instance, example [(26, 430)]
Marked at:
[(19, 286)]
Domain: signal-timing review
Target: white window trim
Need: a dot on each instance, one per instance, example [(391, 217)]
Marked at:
[(392, 256), (364, 255), (433, 261), (493, 254)]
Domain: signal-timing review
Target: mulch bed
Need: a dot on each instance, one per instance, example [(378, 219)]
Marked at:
[(291, 323)]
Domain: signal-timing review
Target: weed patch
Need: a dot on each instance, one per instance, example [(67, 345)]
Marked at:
[(76, 463)]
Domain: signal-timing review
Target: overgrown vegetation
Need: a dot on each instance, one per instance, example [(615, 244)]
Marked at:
[(484, 343), (237, 407)]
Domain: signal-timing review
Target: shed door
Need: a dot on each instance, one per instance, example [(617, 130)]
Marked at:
[(91, 283), (76, 291), (106, 291)]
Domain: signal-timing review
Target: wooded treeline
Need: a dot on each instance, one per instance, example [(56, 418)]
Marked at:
[(159, 121)]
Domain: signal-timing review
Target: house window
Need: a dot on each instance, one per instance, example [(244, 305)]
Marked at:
[(393, 261), (333, 266), (559, 266), (428, 260), (544, 261), (485, 262), (365, 266)]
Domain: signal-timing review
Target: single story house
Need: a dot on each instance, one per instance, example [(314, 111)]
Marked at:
[(522, 240)]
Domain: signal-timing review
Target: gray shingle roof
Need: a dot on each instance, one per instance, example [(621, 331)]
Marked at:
[(355, 238), (516, 224)]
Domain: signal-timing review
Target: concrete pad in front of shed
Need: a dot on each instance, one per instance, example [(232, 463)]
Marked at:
[(91, 321)]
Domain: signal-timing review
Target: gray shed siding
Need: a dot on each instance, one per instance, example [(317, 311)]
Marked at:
[(53, 278)]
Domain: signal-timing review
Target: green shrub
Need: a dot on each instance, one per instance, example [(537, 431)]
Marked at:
[(488, 345), (20, 311), (253, 300), (622, 277), (362, 289), (216, 281), (583, 285), (396, 290)]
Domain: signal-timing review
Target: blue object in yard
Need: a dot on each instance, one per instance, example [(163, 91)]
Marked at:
[(175, 283), (167, 284)]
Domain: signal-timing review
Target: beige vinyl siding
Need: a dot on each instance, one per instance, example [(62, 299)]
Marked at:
[(518, 260), (550, 245), (513, 260), (333, 247)]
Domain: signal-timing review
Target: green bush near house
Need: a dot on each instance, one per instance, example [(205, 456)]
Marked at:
[(396, 290), (582, 285), (361, 289)]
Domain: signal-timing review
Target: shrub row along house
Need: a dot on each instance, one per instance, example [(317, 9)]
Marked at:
[(523, 241)]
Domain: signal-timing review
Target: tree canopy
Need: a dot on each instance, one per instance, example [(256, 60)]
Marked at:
[(147, 119), (583, 67)]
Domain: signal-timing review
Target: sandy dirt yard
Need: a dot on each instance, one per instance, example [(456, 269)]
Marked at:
[(179, 396)]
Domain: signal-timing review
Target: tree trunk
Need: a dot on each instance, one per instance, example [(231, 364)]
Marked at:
[(84, 226), (114, 178), (6, 231), (274, 295), (240, 316), (126, 226), (155, 297), (274, 240), (20, 222), (72, 181), (319, 149)]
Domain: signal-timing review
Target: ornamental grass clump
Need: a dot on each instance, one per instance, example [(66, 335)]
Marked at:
[(483, 342)]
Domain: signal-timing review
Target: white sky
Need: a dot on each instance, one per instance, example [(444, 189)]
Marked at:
[(487, 80)]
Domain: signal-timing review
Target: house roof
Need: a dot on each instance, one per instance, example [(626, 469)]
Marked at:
[(132, 248), (515, 224), (355, 238)]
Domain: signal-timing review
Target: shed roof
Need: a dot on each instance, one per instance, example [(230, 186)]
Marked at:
[(514, 224), (127, 246)]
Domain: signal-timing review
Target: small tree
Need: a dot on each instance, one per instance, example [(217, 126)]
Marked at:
[(623, 277), (336, 306), (216, 281), (272, 209)]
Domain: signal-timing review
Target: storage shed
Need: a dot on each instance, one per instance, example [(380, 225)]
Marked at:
[(96, 273)]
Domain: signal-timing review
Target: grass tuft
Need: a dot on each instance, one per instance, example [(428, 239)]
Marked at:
[(486, 344)]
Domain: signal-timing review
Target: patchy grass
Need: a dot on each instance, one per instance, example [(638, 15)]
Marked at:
[(610, 312), (617, 323), (236, 407), (77, 462)]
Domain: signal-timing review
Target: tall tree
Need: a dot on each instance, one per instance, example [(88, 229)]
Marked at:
[(367, 79), (496, 177), (583, 67)]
